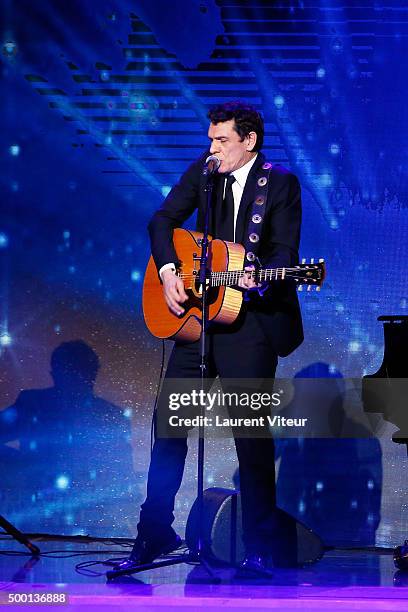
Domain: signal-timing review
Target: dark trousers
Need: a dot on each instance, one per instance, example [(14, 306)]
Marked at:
[(239, 351)]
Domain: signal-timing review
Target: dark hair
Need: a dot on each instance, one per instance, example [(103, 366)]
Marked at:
[(247, 119)]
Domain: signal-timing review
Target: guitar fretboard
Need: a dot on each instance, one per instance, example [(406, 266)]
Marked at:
[(232, 277)]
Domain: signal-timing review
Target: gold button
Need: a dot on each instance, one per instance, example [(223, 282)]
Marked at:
[(259, 200)]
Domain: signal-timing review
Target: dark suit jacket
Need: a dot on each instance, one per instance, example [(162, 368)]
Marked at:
[(278, 310)]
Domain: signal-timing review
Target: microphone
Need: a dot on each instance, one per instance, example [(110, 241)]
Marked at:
[(212, 163)]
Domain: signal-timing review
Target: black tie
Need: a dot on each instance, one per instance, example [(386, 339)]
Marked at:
[(226, 230)]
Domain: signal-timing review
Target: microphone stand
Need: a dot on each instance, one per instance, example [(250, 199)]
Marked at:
[(203, 276), (20, 537), (197, 554)]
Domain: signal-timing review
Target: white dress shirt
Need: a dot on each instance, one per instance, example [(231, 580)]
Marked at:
[(238, 185)]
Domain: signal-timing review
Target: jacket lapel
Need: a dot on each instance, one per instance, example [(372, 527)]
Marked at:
[(247, 198)]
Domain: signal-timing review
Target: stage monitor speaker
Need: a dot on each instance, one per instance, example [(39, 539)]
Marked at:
[(294, 545)]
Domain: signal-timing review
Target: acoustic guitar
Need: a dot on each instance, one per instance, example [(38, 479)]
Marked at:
[(224, 298)]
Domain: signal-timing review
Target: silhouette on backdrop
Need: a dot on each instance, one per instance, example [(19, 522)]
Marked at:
[(333, 485), (67, 451)]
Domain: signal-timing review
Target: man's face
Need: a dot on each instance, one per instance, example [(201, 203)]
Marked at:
[(226, 144)]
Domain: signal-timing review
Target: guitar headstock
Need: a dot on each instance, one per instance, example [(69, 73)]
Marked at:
[(311, 274)]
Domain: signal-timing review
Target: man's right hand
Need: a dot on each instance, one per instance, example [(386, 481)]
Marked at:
[(173, 290)]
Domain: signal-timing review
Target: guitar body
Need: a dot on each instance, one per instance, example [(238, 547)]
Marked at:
[(224, 303), (226, 262)]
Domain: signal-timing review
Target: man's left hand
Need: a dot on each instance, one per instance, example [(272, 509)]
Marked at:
[(247, 281)]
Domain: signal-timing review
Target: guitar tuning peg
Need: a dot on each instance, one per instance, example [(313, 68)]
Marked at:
[(309, 287), (321, 260), (312, 260), (300, 288), (303, 261)]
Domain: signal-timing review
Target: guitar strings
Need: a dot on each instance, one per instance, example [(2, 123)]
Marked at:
[(240, 273), (253, 272)]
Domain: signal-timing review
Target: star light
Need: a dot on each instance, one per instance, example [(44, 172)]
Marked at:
[(354, 346), (9, 48), (3, 240), (5, 339), (325, 180), (279, 101), (62, 482)]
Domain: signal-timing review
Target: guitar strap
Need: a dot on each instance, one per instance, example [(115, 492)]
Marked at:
[(251, 242)]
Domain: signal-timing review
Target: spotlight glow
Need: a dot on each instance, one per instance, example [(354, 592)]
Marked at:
[(14, 150), (5, 339), (279, 101), (62, 482), (9, 48), (3, 240), (354, 346), (337, 45), (325, 180)]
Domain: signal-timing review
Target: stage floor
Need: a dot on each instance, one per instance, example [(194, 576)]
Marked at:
[(341, 580)]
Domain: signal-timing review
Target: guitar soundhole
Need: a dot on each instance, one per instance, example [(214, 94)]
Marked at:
[(194, 296)]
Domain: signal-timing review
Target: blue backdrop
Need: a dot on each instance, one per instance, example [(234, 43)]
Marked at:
[(104, 105)]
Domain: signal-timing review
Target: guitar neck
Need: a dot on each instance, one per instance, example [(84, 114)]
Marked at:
[(232, 277)]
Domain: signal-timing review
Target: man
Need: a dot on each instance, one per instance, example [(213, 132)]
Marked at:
[(268, 325)]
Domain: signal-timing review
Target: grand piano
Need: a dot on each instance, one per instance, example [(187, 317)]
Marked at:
[(386, 392)]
